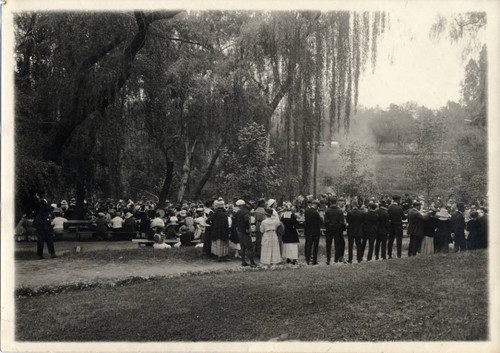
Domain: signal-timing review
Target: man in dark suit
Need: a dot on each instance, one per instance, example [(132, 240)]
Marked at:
[(396, 217), (312, 232), (355, 218), (382, 231), (370, 228), (458, 228), (335, 225), (415, 228)]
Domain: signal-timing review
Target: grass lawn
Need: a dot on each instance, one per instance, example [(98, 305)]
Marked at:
[(439, 297)]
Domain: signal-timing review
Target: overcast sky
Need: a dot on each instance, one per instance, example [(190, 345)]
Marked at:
[(413, 67)]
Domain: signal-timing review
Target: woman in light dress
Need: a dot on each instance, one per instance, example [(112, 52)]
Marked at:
[(270, 251), (430, 225)]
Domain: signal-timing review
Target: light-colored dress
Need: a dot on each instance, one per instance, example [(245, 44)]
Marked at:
[(270, 251), (427, 247)]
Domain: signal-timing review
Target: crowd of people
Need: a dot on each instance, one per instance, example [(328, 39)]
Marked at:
[(269, 230)]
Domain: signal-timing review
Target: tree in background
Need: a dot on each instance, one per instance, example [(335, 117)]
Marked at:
[(248, 168), (356, 175)]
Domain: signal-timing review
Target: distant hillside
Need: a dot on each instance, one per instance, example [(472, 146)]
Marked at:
[(388, 169)]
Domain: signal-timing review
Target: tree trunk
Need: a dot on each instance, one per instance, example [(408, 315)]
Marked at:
[(208, 172), (166, 183), (186, 168)]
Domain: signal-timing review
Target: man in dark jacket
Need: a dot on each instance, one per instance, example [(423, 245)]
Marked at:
[(370, 228), (260, 215), (312, 232), (355, 219), (458, 228), (44, 230), (242, 220), (335, 225), (415, 228), (382, 231), (396, 217)]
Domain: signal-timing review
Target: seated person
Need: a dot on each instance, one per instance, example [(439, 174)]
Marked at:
[(200, 225), (159, 241), (58, 224), (186, 236), (172, 227)]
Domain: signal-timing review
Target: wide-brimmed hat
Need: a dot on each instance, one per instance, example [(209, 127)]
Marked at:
[(270, 202), (173, 221), (128, 215), (240, 202), (101, 214), (261, 202), (183, 213), (443, 214), (219, 204)]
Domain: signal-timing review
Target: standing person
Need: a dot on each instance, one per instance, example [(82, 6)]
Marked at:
[(382, 231), (474, 229), (242, 220), (370, 228), (484, 221), (312, 232), (207, 240), (270, 252), (290, 236), (430, 225), (44, 230), (129, 225), (101, 226), (219, 233), (335, 225), (260, 215), (355, 219), (458, 228), (396, 217), (271, 204), (443, 231), (415, 228)]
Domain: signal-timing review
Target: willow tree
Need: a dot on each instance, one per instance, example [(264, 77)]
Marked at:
[(308, 65)]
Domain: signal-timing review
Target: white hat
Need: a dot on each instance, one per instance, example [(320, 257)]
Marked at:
[(270, 202), (240, 203), (128, 215), (173, 220), (219, 204)]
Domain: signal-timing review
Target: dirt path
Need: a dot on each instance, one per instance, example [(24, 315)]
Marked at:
[(35, 274), (59, 271)]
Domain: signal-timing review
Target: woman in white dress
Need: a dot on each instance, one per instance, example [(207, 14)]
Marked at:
[(270, 251)]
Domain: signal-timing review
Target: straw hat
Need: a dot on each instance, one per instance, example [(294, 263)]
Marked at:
[(128, 215), (240, 203), (443, 214), (173, 221), (270, 202)]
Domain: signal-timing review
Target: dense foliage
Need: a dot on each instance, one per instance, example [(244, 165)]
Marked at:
[(140, 104)]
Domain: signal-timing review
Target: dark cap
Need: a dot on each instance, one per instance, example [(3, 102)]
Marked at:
[(396, 197)]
